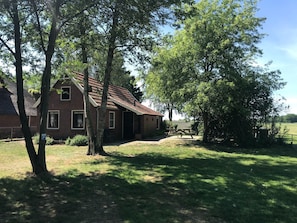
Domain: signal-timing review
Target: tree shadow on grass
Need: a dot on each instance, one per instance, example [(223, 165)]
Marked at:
[(68, 198), (235, 189), (154, 187)]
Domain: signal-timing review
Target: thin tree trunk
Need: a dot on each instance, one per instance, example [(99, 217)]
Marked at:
[(205, 127), (107, 75), (45, 89), (92, 146), (170, 111), (20, 94)]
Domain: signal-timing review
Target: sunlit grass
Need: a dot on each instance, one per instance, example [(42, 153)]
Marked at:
[(175, 181), (292, 127)]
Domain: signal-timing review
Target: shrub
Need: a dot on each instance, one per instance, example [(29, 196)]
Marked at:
[(78, 140), (68, 141), (49, 140)]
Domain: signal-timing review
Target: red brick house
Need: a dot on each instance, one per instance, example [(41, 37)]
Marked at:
[(10, 125), (126, 117)]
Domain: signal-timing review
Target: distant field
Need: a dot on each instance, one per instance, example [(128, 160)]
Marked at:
[(182, 124), (291, 136), (292, 127)]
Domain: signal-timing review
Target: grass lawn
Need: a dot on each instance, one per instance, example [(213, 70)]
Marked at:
[(174, 181), (292, 132)]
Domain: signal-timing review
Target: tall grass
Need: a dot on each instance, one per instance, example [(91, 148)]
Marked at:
[(175, 181)]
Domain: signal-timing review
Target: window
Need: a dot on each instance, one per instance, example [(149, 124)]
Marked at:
[(53, 120), (78, 121), (158, 127), (65, 93), (111, 120)]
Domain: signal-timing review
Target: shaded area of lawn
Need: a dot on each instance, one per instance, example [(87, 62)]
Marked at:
[(236, 189), (160, 184), (58, 199)]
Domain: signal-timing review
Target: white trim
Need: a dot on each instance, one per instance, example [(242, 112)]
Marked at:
[(61, 95), (48, 117), (83, 120), (114, 118)]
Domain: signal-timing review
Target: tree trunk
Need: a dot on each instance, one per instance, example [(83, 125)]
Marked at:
[(170, 111), (92, 144), (107, 75), (45, 89), (20, 95), (205, 127)]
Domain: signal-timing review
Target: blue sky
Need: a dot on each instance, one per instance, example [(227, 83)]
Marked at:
[(280, 44)]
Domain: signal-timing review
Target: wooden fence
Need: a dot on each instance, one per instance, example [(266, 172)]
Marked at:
[(289, 138), (14, 132)]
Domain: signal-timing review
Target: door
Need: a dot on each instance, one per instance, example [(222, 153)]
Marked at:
[(128, 125)]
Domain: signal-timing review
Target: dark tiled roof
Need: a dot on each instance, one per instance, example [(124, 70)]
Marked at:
[(117, 96), (8, 100)]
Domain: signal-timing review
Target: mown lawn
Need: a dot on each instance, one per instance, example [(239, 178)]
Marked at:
[(291, 130), (175, 181)]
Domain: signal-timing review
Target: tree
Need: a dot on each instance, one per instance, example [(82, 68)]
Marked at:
[(13, 44), (163, 81), (127, 27), (217, 46), (36, 25)]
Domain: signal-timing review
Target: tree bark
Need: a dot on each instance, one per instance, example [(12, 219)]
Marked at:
[(92, 144), (107, 75), (37, 168), (170, 111), (45, 89), (205, 117)]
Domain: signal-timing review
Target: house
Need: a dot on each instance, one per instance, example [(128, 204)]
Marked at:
[(126, 117), (10, 125)]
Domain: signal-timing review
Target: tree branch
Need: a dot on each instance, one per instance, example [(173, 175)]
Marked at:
[(75, 15), (39, 26), (6, 45)]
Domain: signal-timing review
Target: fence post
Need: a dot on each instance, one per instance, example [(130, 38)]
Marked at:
[(11, 133)]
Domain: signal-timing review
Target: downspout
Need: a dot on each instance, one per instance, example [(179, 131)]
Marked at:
[(97, 119), (123, 129)]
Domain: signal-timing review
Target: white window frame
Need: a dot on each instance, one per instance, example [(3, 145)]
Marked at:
[(113, 121), (57, 112), (61, 95), (72, 120)]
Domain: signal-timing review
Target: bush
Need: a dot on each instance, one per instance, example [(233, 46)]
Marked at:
[(78, 140), (49, 140)]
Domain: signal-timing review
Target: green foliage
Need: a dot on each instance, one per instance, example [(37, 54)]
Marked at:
[(49, 140), (207, 69), (289, 118), (78, 140)]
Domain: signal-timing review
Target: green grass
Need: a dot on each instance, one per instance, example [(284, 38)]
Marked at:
[(291, 136), (173, 181), (292, 127)]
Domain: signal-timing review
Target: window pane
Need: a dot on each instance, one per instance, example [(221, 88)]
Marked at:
[(65, 93), (111, 120), (53, 120), (78, 120)]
